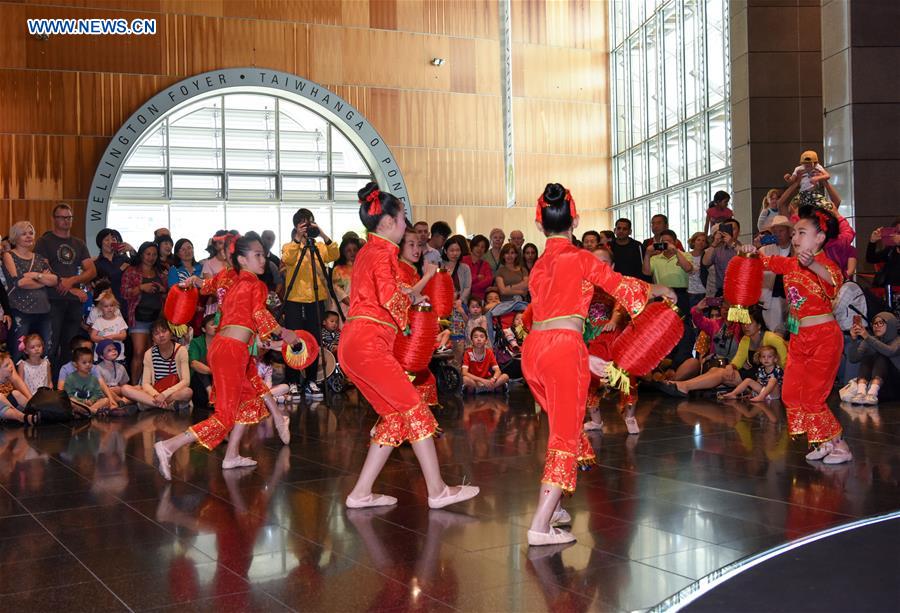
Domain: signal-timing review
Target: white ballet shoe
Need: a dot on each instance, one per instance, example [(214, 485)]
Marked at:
[(372, 500), (283, 427), (560, 517), (163, 455), (592, 426), (465, 492), (554, 537), (238, 462)]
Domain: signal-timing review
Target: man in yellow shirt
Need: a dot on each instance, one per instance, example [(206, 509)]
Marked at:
[(304, 308)]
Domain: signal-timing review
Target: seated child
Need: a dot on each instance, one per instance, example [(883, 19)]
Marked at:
[(481, 373), (519, 328), (111, 371), (34, 369), (201, 375), (265, 369), (109, 325), (811, 176), (769, 375), (81, 385), (491, 299), (476, 318), (331, 331), (14, 395), (69, 367)]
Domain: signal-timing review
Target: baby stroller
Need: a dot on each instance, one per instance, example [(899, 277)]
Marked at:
[(330, 374), (448, 378)]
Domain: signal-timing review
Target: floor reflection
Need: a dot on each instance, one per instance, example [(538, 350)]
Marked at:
[(85, 518)]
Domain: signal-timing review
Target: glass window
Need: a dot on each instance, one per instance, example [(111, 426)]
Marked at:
[(719, 141), (635, 15), (637, 171), (638, 101), (655, 166), (652, 71), (640, 222), (676, 214), (618, 19), (621, 100), (623, 177), (671, 68), (346, 219), (695, 147), (674, 158), (716, 51), (278, 155), (693, 60), (698, 199)]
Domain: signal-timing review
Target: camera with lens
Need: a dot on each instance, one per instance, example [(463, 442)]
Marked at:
[(659, 246), (312, 230), (768, 239)]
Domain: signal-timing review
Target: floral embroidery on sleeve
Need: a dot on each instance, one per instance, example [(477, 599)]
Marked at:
[(633, 294)]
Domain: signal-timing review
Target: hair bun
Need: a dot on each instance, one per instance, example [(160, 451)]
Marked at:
[(370, 187), (554, 194)]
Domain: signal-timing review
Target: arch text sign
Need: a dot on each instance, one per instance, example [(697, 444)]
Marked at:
[(311, 95)]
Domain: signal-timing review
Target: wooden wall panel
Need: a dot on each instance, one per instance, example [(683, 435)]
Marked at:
[(61, 99)]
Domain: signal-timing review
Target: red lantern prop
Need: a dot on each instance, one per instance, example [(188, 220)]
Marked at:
[(743, 285), (644, 343), (439, 290), (181, 304), (302, 353), (415, 350)]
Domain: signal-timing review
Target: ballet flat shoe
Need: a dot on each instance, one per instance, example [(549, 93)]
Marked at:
[(238, 462), (554, 537), (163, 455), (465, 492), (561, 518), (372, 500)]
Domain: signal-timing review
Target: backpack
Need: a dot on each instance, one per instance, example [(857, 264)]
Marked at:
[(51, 406)]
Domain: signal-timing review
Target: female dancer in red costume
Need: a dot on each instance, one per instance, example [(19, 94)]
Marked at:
[(811, 281), (241, 397), (555, 358), (378, 312)]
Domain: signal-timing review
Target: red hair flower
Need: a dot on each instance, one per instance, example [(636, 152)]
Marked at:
[(542, 204), (374, 203)]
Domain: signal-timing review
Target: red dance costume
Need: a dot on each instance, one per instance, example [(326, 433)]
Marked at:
[(424, 381), (378, 311), (600, 343), (238, 388), (814, 353), (555, 362)]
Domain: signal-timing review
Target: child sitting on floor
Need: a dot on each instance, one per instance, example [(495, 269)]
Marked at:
[(331, 331), (769, 375), (34, 369), (481, 373), (111, 370), (82, 386)]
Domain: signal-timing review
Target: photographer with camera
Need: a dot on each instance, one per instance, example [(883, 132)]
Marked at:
[(306, 295), (724, 247), (659, 223)]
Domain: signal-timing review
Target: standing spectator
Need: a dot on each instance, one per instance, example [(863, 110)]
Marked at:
[(723, 248), (512, 278), (529, 256), (113, 259), (590, 240), (69, 259), (342, 272), (272, 274), (606, 238), (421, 228), (218, 260), (773, 297), (183, 265), (698, 277), (669, 266), (30, 281), (440, 230), (144, 287), (165, 246), (482, 273), (889, 257), (160, 232), (718, 211), (518, 239), (492, 255), (454, 249), (628, 254), (773, 204), (659, 223), (303, 309)]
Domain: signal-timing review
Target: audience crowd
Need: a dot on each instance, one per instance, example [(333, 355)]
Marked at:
[(93, 326)]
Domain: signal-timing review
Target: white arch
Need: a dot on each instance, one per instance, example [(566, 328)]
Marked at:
[(343, 115)]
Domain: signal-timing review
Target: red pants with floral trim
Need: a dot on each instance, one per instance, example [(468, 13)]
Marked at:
[(814, 356), (238, 396), (555, 365), (426, 385), (366, 355)]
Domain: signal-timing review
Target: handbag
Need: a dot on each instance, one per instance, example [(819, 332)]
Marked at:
[(53, 406), (169, 380)]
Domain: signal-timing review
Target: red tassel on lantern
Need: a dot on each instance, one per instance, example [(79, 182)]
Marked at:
[(414, 351), (181, 304), (743, 285), (644, 343), (439, 290), (302, 353)]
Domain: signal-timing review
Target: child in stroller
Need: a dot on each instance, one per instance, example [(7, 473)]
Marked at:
[(501, 317)]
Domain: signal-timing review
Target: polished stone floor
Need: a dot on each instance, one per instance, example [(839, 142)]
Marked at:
[(86, 522)]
